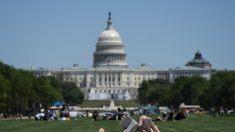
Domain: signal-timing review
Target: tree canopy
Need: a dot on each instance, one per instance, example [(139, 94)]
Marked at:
[(217, 92), (20, 91), (71, 93), (154, 91)]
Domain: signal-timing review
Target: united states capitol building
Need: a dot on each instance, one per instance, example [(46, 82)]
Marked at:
[(111, 78)]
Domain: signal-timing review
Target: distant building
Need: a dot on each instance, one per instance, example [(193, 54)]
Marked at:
[(198, 61), (110, 77)]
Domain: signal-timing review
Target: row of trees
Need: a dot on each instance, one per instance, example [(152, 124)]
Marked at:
[(217, 92), (20, 91)]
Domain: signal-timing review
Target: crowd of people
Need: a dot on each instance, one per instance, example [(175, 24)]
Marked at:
[(51, 115), (10, 116), (115, 115), (112, 115), (151, 127)]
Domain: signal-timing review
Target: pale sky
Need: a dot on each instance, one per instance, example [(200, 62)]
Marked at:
[(160, 33)]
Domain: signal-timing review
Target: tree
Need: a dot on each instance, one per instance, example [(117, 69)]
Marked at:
[(154, 91), (144, 92), (222, 89), (20, 90), (46, 92), (160, 91), (71, 93), (217, 92), (188, 90), (21, 86), (4, 93)]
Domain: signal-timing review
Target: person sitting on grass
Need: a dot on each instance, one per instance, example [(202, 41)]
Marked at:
[(180, 116), (146, 125), (95, 115)]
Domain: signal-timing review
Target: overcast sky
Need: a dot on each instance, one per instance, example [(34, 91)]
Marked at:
[(160, 33)]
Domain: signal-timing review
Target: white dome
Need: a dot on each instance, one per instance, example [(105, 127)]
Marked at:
[(110, 49), (110, 35)]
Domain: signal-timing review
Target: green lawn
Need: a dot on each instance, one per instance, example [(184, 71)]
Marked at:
[(204, 123), (100, 103)]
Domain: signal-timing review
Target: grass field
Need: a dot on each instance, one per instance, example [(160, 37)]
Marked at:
[(195, 123), (100, 103)]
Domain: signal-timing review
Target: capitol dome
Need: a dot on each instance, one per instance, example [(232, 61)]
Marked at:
[(110, 35), (109, 48)]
